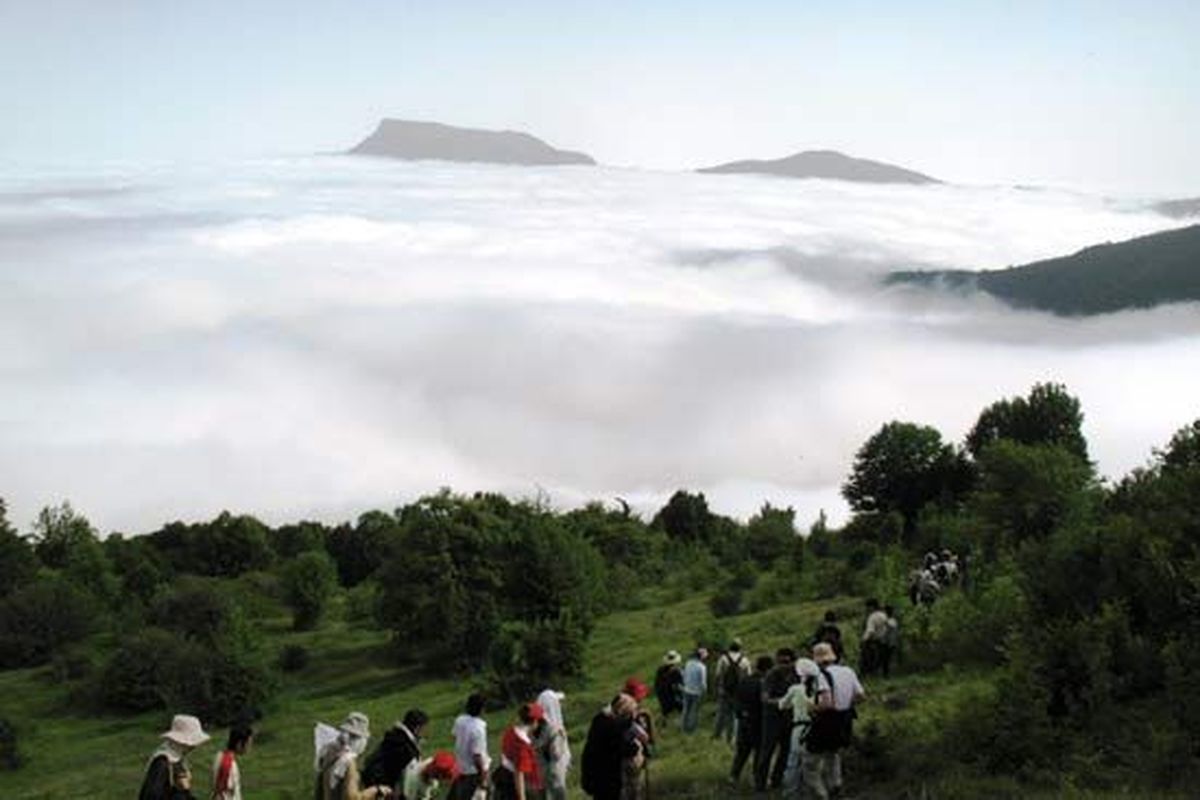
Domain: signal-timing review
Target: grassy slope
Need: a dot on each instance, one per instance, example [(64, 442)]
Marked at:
[(71, 753)]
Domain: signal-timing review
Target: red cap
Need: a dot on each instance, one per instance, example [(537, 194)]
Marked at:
[(442, 765), (636, 689), (534, 712)]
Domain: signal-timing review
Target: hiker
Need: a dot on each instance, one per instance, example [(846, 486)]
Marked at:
[(874, 639), (748, 706), (828, 631), (168, 776), (776, 724), (923, 587), (553, 745), (668, 684), (832, 726), (891, 640), (607, 747), (470, 750), (695, 686), (732, 666), (422, 779), (337, 767), (519, 774), (401, 745), (639, 745), (800, 699), (227, 777)]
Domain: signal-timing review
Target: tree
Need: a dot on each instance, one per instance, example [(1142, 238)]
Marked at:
[(1049, 415), (771, 534), (685, 518), (308, 583), (40, 618), (902, 467), (65, 541), (18, 564)]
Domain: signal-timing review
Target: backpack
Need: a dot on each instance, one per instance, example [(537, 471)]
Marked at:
[(732, 675), (830, 729)]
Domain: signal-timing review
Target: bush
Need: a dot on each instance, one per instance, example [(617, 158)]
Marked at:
[(73, 664), (362, 604), (10, 753), (726, 601), (308, 583), (293, 658), (159, 669), (40, 618), (526, 657)]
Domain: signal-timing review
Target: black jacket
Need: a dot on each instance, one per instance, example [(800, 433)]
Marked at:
[(607, 745), (385, 767), (157, 784)]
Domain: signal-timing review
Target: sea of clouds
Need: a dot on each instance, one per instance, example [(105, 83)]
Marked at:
[(315, 337)]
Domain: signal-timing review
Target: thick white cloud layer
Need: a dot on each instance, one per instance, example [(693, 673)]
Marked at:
[(322, 336)]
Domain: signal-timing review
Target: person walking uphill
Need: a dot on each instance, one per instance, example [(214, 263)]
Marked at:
[(668, 685), (227, 777), (401, 745), (553, 745), (874, 639), (695, 686), (168, 776), (470, 751), (776, 723), (337, 763), (832, 723), (749, 718), (519, 774), (732, 666), (607, 747)]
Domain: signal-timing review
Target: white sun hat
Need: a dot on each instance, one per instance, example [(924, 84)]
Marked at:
[(186, 730)]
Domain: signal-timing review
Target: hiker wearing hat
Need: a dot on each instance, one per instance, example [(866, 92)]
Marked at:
[(167, 775), (227, 777), (337, 766), (732, 666), (800, 699), (519, 774), (423, 778), (471, 750), (668, 684), (553, 746), (695, 686), (831, 728)]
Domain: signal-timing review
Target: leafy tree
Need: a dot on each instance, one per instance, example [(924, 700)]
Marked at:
[(66, 541), (1026, 491), (225, 547), (308, 583), (289, 541), (18, 564), (359, 551), (901, 468), (771, 534), (685, 518), (1049, 415), (40, 618)]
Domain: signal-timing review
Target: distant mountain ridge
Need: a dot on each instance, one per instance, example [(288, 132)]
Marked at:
[(1138, 273), (826, 164), (413, 140)]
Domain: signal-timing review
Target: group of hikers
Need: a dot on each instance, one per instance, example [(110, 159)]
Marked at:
[(938, 571), (787, 714)]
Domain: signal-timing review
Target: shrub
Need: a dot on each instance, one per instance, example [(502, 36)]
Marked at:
[(293, 658), (726, 601), (156, 668), (308, 583), (362, 604), (10, 753), (526, 657), (40, 618), (72, 664)]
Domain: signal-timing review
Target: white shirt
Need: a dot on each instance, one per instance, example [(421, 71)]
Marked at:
[(234, 790), (470, 740), (846, 686)]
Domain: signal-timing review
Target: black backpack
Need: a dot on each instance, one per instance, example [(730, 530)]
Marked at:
[(732, 675), (830, 730)]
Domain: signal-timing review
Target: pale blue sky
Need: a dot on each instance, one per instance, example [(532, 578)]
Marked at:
[(1103, 94)]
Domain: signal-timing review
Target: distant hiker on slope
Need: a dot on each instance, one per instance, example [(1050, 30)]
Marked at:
[(668, 685), (732, 666), (776, 723), (695, 686), (748, 704)]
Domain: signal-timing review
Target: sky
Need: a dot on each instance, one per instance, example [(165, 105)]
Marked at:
[(1090, 94), (320, 336)]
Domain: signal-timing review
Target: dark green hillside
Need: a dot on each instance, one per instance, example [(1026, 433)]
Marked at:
[(1140, 273)]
